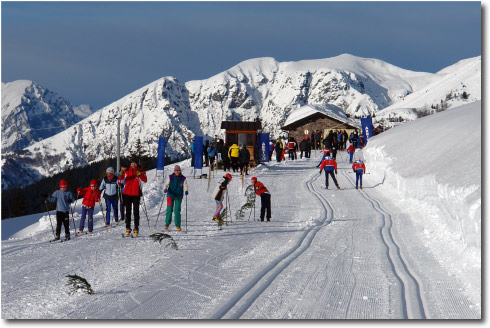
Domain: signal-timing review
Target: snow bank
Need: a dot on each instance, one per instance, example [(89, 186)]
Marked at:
[(436, 176)]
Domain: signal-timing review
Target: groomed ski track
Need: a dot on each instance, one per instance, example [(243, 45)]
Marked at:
[(326, 254)]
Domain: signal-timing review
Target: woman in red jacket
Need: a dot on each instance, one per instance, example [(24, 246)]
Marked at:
[(91, 197), (132, 179), (265, 199)]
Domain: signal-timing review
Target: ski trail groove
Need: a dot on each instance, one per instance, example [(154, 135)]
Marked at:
[(413, 305), (238, 304)]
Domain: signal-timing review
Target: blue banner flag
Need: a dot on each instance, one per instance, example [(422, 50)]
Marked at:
[(161, 154), (263, 147), (367, 128), (198, 150)]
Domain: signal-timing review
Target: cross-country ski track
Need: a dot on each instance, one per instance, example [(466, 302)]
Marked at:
[(326, 254)]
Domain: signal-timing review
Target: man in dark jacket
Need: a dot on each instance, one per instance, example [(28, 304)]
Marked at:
[(302, 148), (244, 159)]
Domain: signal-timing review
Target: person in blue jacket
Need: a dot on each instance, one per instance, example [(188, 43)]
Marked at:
[(109, 183), (63, 198), (211, 154)]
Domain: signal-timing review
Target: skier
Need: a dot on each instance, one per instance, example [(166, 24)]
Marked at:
[(265, 199), (63, 198), (350, 150), (175, 187), (233, 155), (109, 183), (244, 159), (359, 168), (91, 196), (219, 194), (325, 152), (132, 179), (330, 165)]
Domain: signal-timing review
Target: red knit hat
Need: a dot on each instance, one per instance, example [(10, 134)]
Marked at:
[(63, 183), (253, 179), (228, 175), (93, 183)]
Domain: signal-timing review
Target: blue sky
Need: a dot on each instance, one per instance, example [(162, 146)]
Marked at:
[(97, 52)]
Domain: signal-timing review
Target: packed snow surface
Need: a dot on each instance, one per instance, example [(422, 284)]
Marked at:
[(375, 253)]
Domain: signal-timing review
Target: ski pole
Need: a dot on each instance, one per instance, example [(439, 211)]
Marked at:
[(103, 215), (185, 213), (146, 213), (72, 218), (229, 204), (49, 215), (161, 205)]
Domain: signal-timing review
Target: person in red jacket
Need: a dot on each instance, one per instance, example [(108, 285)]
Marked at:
[(351, 151), (91, 197), (359, 168), (330, 165), (132, 179), (265, 199)]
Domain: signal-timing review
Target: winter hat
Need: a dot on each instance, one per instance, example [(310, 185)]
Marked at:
[(177, 168), (253, 179), (93, 183), (228, 176), (110, 170), (63, 183)]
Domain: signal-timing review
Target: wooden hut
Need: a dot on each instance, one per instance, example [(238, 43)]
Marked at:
[(308, 119), (242, 133)]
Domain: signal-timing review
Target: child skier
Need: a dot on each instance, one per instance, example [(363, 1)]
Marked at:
[(91, 196), (218, 195), (359, 168), (109, 183), (330, 165), (175, 187), (265, 199), (62, 198)]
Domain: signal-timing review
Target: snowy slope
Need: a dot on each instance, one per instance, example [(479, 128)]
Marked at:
[(257, 88), (448, 86), (326, 254), (31, 113), (432, 168)]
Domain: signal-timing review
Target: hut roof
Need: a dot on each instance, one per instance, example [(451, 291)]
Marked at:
[(241, 125), (331, 111)]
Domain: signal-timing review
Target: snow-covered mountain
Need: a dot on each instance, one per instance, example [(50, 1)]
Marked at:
[(31, 112), (453, 86), (258, 88)]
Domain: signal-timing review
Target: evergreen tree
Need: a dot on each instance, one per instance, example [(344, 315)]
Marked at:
[(19, 205)]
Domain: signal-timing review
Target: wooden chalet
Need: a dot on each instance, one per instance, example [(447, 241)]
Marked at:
[(242, 133)]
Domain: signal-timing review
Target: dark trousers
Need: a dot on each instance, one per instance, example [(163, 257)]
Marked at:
[(234, 164), (121, 207), (62, 218), (244, 168), (327, 173), (278, 156), (265, 204), (135, 202)]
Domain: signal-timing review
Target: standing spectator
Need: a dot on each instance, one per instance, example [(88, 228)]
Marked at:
[(63, 198), (91, 197), (302, 147), (278, 149), (308, 148), (291, 148), (226, 159), (175, 187), (330, 165), (233, 153), (271, 149), (211, 154), (359, 168), (220, 150), (124, 167), (345, 137), (244, 159), (192, 152), (109, 183), (132, 178), (313, 135), (265, 199), (205, 153)]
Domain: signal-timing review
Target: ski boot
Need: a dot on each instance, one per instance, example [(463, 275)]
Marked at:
[(338, 187), (67, 237), (215, 218), (166, 228), (128, 232), (135, 232), (80, 231), (90, 232), (357, 187), (361, 187)]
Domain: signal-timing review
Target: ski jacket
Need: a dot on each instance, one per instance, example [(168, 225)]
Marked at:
[(121, 185), (244, 156), (62, 199), (278, 146), (359, 166), (329, 164), (260, 189), (234, 151), (212, 151), (110, 186), (220, 190), (351, 149), (271, 146), (291, 145), (176, 186), (132, 181), (90, 196), (302, 145)]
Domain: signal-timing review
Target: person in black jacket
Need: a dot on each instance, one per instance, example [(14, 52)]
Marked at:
[(244, 159), (302, 148)]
